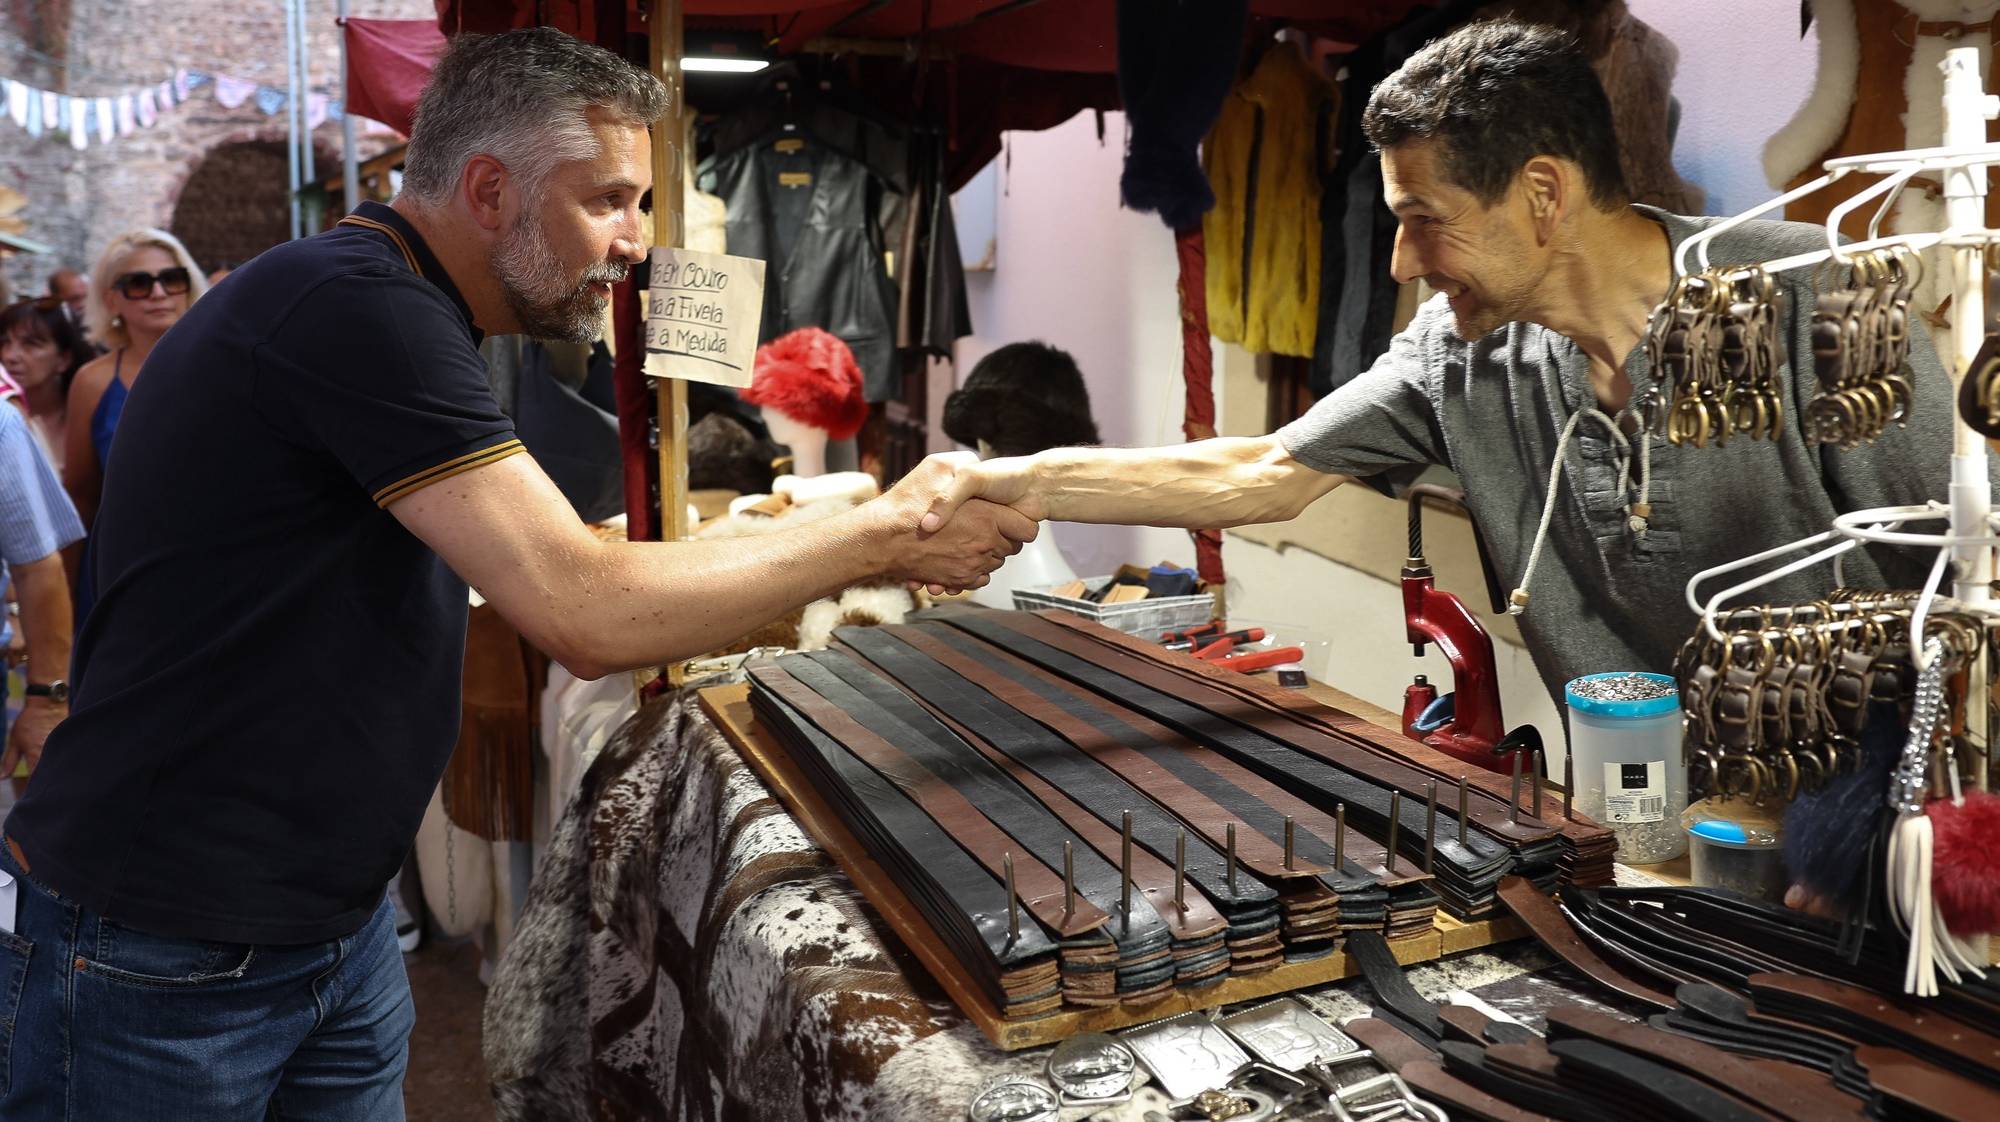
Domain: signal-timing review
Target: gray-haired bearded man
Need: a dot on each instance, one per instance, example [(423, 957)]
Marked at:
[(305, 482)]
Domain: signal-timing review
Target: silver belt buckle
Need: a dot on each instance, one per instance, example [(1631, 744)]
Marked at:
[(1382, 1098)]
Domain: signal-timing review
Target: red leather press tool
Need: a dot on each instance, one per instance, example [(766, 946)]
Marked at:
[(1464, 723)]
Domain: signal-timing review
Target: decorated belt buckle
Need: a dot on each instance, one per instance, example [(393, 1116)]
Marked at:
[(1014, 1099), (1383, 1098), (1092, 1069), (1286, 1034), (1233, 1105), (1188, 1053)]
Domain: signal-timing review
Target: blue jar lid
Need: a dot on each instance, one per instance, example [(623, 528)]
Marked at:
[(1651, 707), (1732, 835)]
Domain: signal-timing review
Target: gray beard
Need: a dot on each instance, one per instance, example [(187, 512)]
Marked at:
[(546, 303)]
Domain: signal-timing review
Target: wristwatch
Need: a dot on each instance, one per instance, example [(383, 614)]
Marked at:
[(56, 691)]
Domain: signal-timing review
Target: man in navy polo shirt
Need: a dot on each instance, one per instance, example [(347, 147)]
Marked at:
[(304, 483)]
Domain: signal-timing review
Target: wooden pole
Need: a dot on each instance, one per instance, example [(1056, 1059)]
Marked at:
[(664, 34)]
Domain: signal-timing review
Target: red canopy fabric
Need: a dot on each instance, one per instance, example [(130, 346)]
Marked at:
[(388, 62), (1068, 35)]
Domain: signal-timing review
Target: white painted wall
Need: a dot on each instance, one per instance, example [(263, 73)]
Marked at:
[(1075, 270), (1744, 70)]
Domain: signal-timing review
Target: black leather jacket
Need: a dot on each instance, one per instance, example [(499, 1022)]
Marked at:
[(809, 212)]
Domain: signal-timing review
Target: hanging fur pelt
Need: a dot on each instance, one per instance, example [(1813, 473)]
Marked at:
[(1888, 52)]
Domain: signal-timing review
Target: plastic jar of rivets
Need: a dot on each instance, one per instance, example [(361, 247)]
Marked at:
[(1625, 744)]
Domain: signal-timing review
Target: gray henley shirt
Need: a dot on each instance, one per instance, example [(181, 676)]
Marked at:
[(1603, 597)]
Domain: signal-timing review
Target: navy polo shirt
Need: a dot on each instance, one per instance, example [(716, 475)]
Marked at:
[(268, 688)]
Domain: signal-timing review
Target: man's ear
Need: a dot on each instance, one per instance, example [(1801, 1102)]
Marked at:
[(483, 187), (1548, 186)]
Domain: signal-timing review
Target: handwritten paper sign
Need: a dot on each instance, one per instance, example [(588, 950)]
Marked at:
[(702, 317)]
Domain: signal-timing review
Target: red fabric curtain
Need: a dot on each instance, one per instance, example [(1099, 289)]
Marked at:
[(388, 62)]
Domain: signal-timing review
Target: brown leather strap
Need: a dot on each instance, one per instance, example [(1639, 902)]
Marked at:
[(1306, 817), (1209, 818), (1391, 1045), (1913, 26), (1431, 1081), (1040, 887), (1553, 929), (1798, 1093), (1463, 1022), (1151, 877), (1341, 752), (1909, 1080), (1291, 703), (1907, 1018), (20, 858)]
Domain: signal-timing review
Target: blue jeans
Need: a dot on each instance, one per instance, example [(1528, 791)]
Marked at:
[(112, 1023)]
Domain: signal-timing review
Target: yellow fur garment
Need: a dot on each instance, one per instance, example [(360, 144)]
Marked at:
[(1263, 248)]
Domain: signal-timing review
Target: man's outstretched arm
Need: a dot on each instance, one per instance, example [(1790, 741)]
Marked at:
[(1228, 481), (599, 607)]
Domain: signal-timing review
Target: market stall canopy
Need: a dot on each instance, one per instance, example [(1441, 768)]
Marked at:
[(388, 62), (1036, 62), (1071, 35)]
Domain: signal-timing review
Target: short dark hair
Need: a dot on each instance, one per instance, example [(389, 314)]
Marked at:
[(44, 318), (1020, 399), (1496, 94)]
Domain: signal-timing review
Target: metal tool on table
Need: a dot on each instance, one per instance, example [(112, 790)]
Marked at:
[(1213, 643), (1466, 722)]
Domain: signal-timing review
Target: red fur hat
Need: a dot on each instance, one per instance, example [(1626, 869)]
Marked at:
[(810, 376)]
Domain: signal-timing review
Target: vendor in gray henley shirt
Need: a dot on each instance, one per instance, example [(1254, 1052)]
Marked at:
[(1499, 160)]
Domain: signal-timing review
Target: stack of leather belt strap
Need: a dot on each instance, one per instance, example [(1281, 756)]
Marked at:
[(1207, 789), (1307, 762), (960, 895), (1246, 936), (1130, 955), (1147, 829), (1588, 849), (1765, 991)]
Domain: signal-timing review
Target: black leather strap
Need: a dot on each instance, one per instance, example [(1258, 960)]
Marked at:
[(1797, 1094), (1531, 1086), (1555, 932), (1466, 873), (1039, 883), (1085, 780), (1260, 807), (875, 705), (1626, 1076), (1393, 991), (965, 904)]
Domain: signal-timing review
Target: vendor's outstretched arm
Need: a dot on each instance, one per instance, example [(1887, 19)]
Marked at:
[(1227, 481), (599, 607)]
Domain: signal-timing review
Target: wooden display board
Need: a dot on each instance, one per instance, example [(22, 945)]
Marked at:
[(729, 708)]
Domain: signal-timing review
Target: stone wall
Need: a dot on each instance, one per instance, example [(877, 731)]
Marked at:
[(80, 200)]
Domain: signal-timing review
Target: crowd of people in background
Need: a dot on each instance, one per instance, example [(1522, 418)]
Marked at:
[(68, 359)]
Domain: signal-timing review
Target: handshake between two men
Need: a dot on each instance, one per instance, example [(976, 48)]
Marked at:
[(601, 607)]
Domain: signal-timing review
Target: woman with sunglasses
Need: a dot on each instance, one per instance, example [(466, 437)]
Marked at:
[(42, 351), (142, 284)]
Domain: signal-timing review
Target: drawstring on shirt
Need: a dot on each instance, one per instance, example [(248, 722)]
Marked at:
[(1636, 513)]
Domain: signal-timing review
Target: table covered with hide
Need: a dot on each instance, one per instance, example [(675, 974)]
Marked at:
[(688, 951)]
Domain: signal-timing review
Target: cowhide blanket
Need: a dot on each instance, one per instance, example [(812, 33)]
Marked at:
[(688, 954)]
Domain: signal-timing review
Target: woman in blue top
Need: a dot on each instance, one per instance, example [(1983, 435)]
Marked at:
[(142, 284)]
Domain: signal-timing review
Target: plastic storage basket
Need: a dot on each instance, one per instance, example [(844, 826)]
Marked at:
[(1150, 618)]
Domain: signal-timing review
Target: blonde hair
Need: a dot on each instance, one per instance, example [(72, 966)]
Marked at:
[(112, 262)]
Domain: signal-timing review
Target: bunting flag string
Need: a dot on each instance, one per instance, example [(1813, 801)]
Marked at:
[(98, 120)]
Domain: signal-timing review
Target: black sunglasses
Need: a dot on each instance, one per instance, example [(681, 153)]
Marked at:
[(138, 286)]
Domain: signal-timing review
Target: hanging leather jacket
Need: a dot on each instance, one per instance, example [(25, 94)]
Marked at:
[(809, 211)]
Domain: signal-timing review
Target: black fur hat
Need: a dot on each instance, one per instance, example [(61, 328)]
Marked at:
[(723, 453), (1021, 399)]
